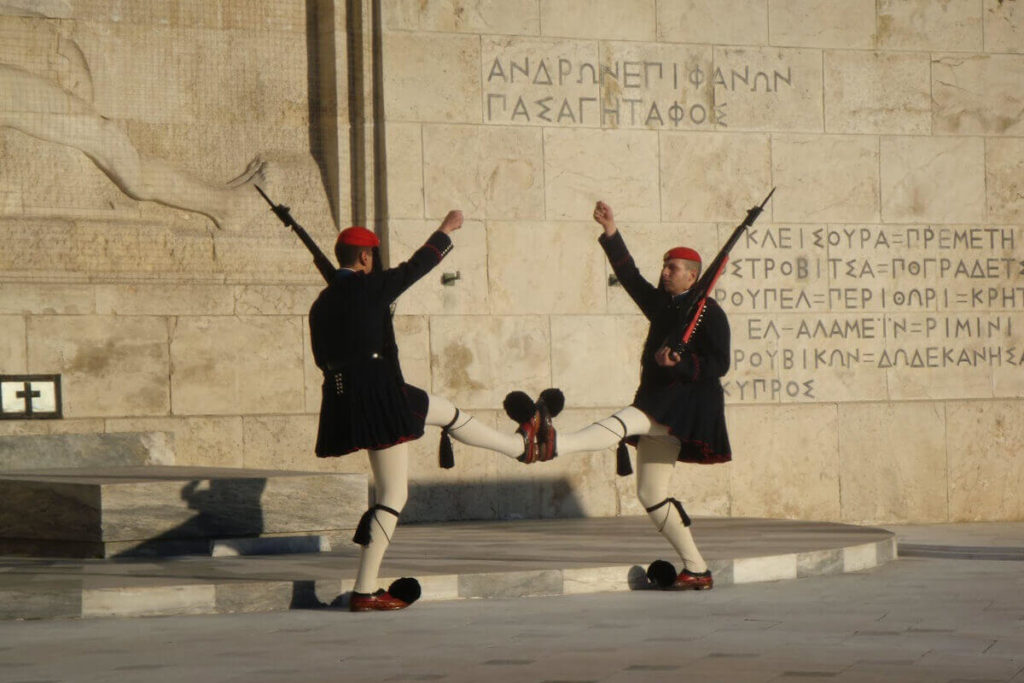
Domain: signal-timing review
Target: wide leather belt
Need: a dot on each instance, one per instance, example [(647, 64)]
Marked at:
[(341, 367), (335, 372)]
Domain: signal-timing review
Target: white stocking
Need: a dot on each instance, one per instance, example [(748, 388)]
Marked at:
[(470, 431), (655, 459), (605, 433), (391, 488)]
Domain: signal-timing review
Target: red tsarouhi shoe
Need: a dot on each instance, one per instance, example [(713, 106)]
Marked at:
[(690, 581), (379, 601)]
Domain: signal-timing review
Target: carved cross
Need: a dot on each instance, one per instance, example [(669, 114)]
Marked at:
[(28, 394)]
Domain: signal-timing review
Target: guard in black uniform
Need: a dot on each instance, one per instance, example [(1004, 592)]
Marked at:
[(678, 412), (366, 403)]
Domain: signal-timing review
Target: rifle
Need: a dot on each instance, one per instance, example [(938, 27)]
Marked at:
[(692, 307), (320, 260)]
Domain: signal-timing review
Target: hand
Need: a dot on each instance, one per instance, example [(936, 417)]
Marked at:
[(603, 215), (451, 222), (666, 357)]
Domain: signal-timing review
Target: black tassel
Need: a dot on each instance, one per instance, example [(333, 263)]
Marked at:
[(622, 465), (445, 455), (682, 513), (679, 508), (362, 534)]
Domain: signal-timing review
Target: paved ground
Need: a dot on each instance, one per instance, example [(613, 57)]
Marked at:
[(913, 620)]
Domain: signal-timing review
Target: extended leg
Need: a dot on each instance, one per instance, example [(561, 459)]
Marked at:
[(472, 432), (605, 433), (655, 460)]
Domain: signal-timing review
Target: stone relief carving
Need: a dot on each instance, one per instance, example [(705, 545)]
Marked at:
[(60, 109), (57, 9)]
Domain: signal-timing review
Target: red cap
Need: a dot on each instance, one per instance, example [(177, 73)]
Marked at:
[(357, 236), (684, 253)]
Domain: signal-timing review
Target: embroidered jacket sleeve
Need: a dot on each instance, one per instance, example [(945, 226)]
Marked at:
[(707, 355), (396, 280), (648, 297)]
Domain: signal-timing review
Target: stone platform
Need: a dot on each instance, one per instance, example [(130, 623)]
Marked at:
[(452, 561), (105, 512)]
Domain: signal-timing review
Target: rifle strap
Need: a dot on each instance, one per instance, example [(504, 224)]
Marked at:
[(692, 327)]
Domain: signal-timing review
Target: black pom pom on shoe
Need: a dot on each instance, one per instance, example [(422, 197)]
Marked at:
[(662, 574), (554, 399), (519, 407), (408, 590)]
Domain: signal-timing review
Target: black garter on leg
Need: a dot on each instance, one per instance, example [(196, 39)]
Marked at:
[(679, 506), (362, 535)]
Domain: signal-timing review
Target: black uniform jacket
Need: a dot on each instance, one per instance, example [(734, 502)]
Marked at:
[(687, 398), (366, 402)]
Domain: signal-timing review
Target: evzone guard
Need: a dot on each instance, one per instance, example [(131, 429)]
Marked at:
[(678, 412), (367, 405)]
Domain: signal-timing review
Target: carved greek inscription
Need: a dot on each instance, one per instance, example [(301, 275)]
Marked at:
[(819, 312), (534, 88)]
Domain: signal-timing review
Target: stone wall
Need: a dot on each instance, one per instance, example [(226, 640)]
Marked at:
[(875, 307), (160, 319)]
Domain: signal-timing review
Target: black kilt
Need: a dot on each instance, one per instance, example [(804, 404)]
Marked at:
[(364, 407), (694, 413)]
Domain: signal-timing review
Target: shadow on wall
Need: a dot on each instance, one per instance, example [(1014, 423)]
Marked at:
[(502, 500), (321, 84), (228, 508), (231, 508)]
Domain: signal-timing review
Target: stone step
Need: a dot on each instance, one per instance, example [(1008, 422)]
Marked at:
[(167, 510), (34, 452), (463, 560), (270, 545)]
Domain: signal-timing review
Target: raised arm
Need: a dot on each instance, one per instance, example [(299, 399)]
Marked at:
[(398, 279), (643, 293)]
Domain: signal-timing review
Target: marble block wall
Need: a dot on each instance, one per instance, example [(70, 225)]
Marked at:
[(875, 307), (138, 262)]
